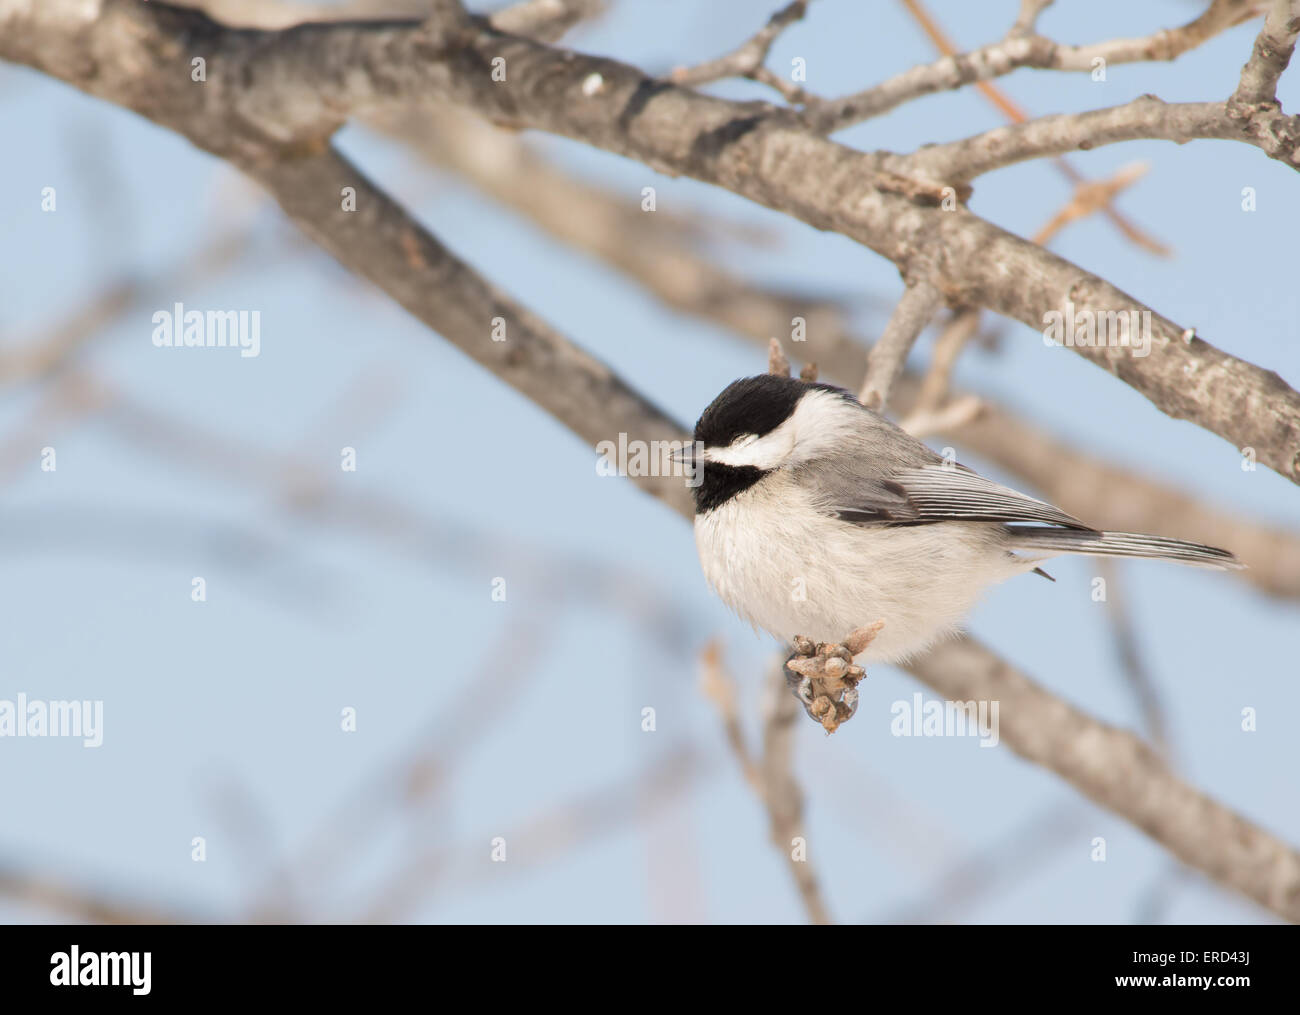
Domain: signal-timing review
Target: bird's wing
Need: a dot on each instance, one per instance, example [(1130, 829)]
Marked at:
[(856, 491), (882, 475)]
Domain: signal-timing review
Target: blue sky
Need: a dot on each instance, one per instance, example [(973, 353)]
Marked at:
[(222, 717)]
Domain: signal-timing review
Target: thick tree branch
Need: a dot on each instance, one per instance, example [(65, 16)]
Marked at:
[(381, 242)]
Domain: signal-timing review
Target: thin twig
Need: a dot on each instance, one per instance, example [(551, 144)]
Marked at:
[(1016, 114), (1022, 50), (1132, 666), (919, 303), (1027, 19), (548, 20), (747, 60), (770, 774), (953, 338), (1089, 197)]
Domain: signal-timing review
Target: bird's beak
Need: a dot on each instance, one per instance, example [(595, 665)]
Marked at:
[(690, 458), (685, 456)]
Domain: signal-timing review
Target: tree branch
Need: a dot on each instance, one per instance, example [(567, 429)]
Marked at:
[(77, 903), (1145, 118), (1027, 19), (381, 242), (1010, 109), (771, 773), (1022, 48), (1270, 55), (920, 302), (547, 20), (748, 59)]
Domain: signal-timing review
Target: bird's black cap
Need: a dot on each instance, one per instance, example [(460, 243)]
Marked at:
[(756, 405)]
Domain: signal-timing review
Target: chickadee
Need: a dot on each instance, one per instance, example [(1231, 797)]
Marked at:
[(815, 516)]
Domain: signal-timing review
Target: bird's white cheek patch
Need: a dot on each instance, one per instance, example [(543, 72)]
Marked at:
[(767, 452)]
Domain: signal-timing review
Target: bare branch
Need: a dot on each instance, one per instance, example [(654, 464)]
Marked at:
[(747, 59), (777, 363), (782, 795), (960, 329), (951, 418), (1270, 56), (547, 20), (1022, 49), (1090, 197), (915, 310), (1132, 667), (76, 903), (717, 685), (771, 773), (381, 242), (1145, 118), (664, 251), (1027, 19), (1013, 112)]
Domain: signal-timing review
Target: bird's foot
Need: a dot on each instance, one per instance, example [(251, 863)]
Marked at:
[(822, 676)]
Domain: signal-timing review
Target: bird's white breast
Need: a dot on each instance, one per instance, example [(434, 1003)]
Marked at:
[(789, 569)]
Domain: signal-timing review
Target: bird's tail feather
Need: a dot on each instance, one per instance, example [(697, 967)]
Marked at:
[(1120, 544)]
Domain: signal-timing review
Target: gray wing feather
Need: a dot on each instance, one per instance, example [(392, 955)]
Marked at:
[(888, 477), (948, 493)]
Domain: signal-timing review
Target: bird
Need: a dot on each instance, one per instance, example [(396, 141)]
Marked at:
[(815, 516)]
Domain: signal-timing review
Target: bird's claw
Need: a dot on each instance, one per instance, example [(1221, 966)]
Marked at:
[(825, 680)]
